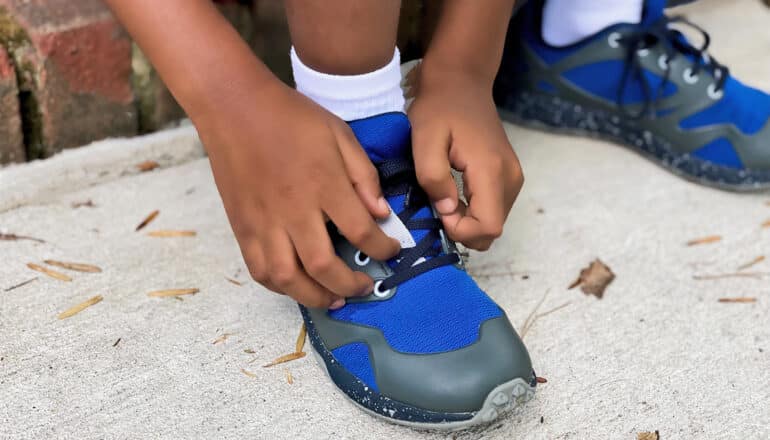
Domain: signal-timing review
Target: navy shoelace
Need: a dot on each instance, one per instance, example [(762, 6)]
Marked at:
[(397, 177), (675, 44)]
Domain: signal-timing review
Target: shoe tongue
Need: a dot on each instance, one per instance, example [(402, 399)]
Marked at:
[(654, 10), (383, 137)]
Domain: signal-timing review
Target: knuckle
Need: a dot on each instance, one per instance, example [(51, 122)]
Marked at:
[(258, 273), (493, 231), (320, 263), (363, 234), (283, 274)]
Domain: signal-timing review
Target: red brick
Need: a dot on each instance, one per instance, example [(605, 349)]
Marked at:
[(11, 137), (76, 68)]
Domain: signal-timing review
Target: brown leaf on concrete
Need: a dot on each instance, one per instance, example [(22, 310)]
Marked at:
[(249, 351), (22, 284), (74, 310), (757, 260), (170, 233), (740, 299), (248, 373), (222, 338), (648, 436), (86, 204), (147, 165), (301, 338), (147, 220), (285, 358), (594, 279), (78, 267), (236, 282), (51, 273), (14, 237), (289, 377), (173, 292), (704, 240)]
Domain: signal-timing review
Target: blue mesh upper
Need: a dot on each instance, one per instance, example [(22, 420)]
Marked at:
[(440, 310), (745, 107), (720, 152), (355, 358), (605, 78)]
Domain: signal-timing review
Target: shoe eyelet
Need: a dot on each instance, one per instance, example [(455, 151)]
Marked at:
[(643, 52), (713, 93), (361, 258), (663, 62), (614, 40), (378, 292), (688, 77)]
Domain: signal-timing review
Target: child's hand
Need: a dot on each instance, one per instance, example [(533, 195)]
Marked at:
[(455, 125), (283, 169)]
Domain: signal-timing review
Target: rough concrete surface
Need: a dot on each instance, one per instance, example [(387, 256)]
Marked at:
[(659, 352)]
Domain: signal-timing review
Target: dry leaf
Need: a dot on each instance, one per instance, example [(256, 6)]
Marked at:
[(222, 338), (80, 307), (147, 220), (249, 351), (14, 237), (285, 358), (248, 373), (289, 377), (741, 299), (704, 240), (78, 267), (169, 233), (648, 436), (147, 165), (757, 260), (22, 284), (541, 380), (51, 273), (237, 283), (87, 204), (594, 279), (301, 339), (173, 292)]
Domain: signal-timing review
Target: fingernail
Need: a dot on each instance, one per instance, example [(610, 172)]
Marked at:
[(337, 304), (383, 204), (446, 206)]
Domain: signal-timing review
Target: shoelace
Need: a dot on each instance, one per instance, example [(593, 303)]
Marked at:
[(397, 177), (675, 44)]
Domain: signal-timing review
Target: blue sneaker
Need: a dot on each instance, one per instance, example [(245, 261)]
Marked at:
[(644, 86), (427, 348)]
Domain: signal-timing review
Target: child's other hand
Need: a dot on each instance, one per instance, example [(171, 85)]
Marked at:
[(284, 166), (455, 125)]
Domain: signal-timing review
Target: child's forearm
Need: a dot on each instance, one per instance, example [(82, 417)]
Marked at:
[(470, 37), (198, 54)]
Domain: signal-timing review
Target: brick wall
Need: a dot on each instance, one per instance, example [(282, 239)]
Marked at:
[(70, 75)]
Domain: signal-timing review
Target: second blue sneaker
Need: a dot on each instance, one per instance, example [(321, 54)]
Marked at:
[(644, 86), (427, 348)]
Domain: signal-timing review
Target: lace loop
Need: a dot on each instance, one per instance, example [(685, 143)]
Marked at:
[(674, 44)]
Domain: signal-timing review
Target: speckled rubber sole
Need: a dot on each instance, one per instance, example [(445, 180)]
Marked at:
[(501, 400), (551, 113)]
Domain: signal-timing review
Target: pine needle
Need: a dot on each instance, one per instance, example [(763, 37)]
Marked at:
[(78, 267), (172, 233), (51, 273), (173, 292), (72, 311), (285, 358)]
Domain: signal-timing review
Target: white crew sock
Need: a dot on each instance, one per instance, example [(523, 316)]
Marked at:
[(352, 97), (568, 21)]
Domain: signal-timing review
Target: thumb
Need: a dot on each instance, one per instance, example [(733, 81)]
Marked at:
[(434, 171)]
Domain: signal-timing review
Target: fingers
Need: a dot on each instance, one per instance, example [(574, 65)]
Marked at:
[(362, 173), (482, 222), (431, 157), (286, 275), (319, 260), (353, 222)]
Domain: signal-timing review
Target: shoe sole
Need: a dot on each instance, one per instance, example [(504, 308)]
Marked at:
[(553, 114), (502, 399)]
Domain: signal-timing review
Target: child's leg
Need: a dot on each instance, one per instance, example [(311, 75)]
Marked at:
[(344, 55)]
